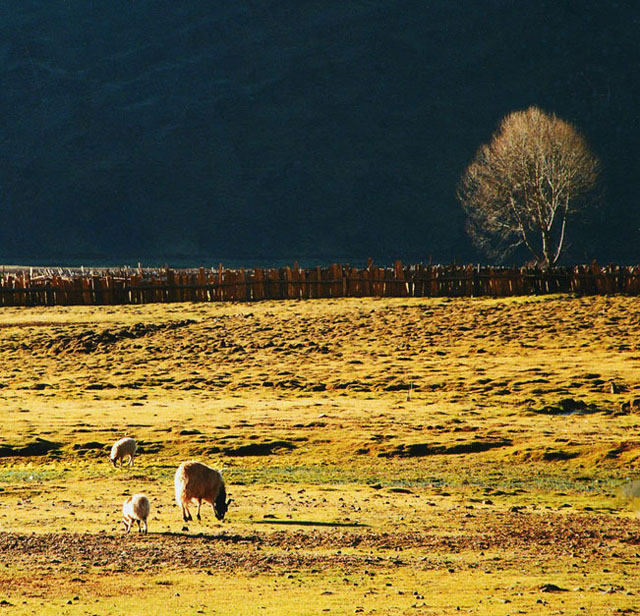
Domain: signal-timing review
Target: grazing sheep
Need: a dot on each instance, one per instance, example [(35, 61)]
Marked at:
[(123, 448), (136, 508), (198, 482)]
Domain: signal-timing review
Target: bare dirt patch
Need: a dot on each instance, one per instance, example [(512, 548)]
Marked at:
[(91, 341), (39, 447), (520, 534)]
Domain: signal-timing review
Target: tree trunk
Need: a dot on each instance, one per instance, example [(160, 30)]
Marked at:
[(546, 250)]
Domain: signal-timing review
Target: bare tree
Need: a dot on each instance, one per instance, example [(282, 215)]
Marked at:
[(523, 186)]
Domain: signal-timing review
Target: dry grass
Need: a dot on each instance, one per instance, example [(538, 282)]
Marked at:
[(384, 456)]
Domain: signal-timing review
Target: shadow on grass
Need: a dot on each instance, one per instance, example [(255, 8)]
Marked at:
[(311, 523), (235, 538), (210, 536)]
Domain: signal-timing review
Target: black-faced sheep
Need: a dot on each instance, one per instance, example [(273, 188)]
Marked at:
[(125, 447), (136, 508), (198, 482)]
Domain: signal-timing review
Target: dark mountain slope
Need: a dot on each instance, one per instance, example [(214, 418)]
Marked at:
[(289, 130)]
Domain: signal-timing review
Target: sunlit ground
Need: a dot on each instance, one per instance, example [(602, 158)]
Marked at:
[(384, 456)]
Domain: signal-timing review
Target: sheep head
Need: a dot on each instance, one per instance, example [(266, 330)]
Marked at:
[(220, 508)]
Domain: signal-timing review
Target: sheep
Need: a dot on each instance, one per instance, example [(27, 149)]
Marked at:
[(123, 448), (136, 508), (198, 482)]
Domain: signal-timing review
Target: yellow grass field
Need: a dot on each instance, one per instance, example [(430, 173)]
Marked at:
[(384, 456)]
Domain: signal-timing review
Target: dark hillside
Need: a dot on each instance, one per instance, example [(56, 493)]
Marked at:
[(272, 129)]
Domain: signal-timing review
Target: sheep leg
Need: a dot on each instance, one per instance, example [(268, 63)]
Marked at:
[(139, 530), (199, 504), (144, 525), (127, 524), (131, 460), (186, 516)]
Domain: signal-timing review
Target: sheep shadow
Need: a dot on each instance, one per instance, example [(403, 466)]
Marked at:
[(312, 523), (235, 538), (210, 536)]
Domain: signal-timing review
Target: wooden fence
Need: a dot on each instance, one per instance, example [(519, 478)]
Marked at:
[(143, 286)]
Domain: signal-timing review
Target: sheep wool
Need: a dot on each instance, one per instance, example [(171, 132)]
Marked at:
[(124, 448), (198, 482), (136, 508)]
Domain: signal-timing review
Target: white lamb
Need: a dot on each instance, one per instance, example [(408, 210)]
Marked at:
[(136, 508), (125, 447)]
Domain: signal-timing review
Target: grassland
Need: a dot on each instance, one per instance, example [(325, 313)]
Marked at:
[(470, 456)]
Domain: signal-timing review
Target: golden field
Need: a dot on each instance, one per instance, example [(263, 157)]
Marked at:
[(384, 456)]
